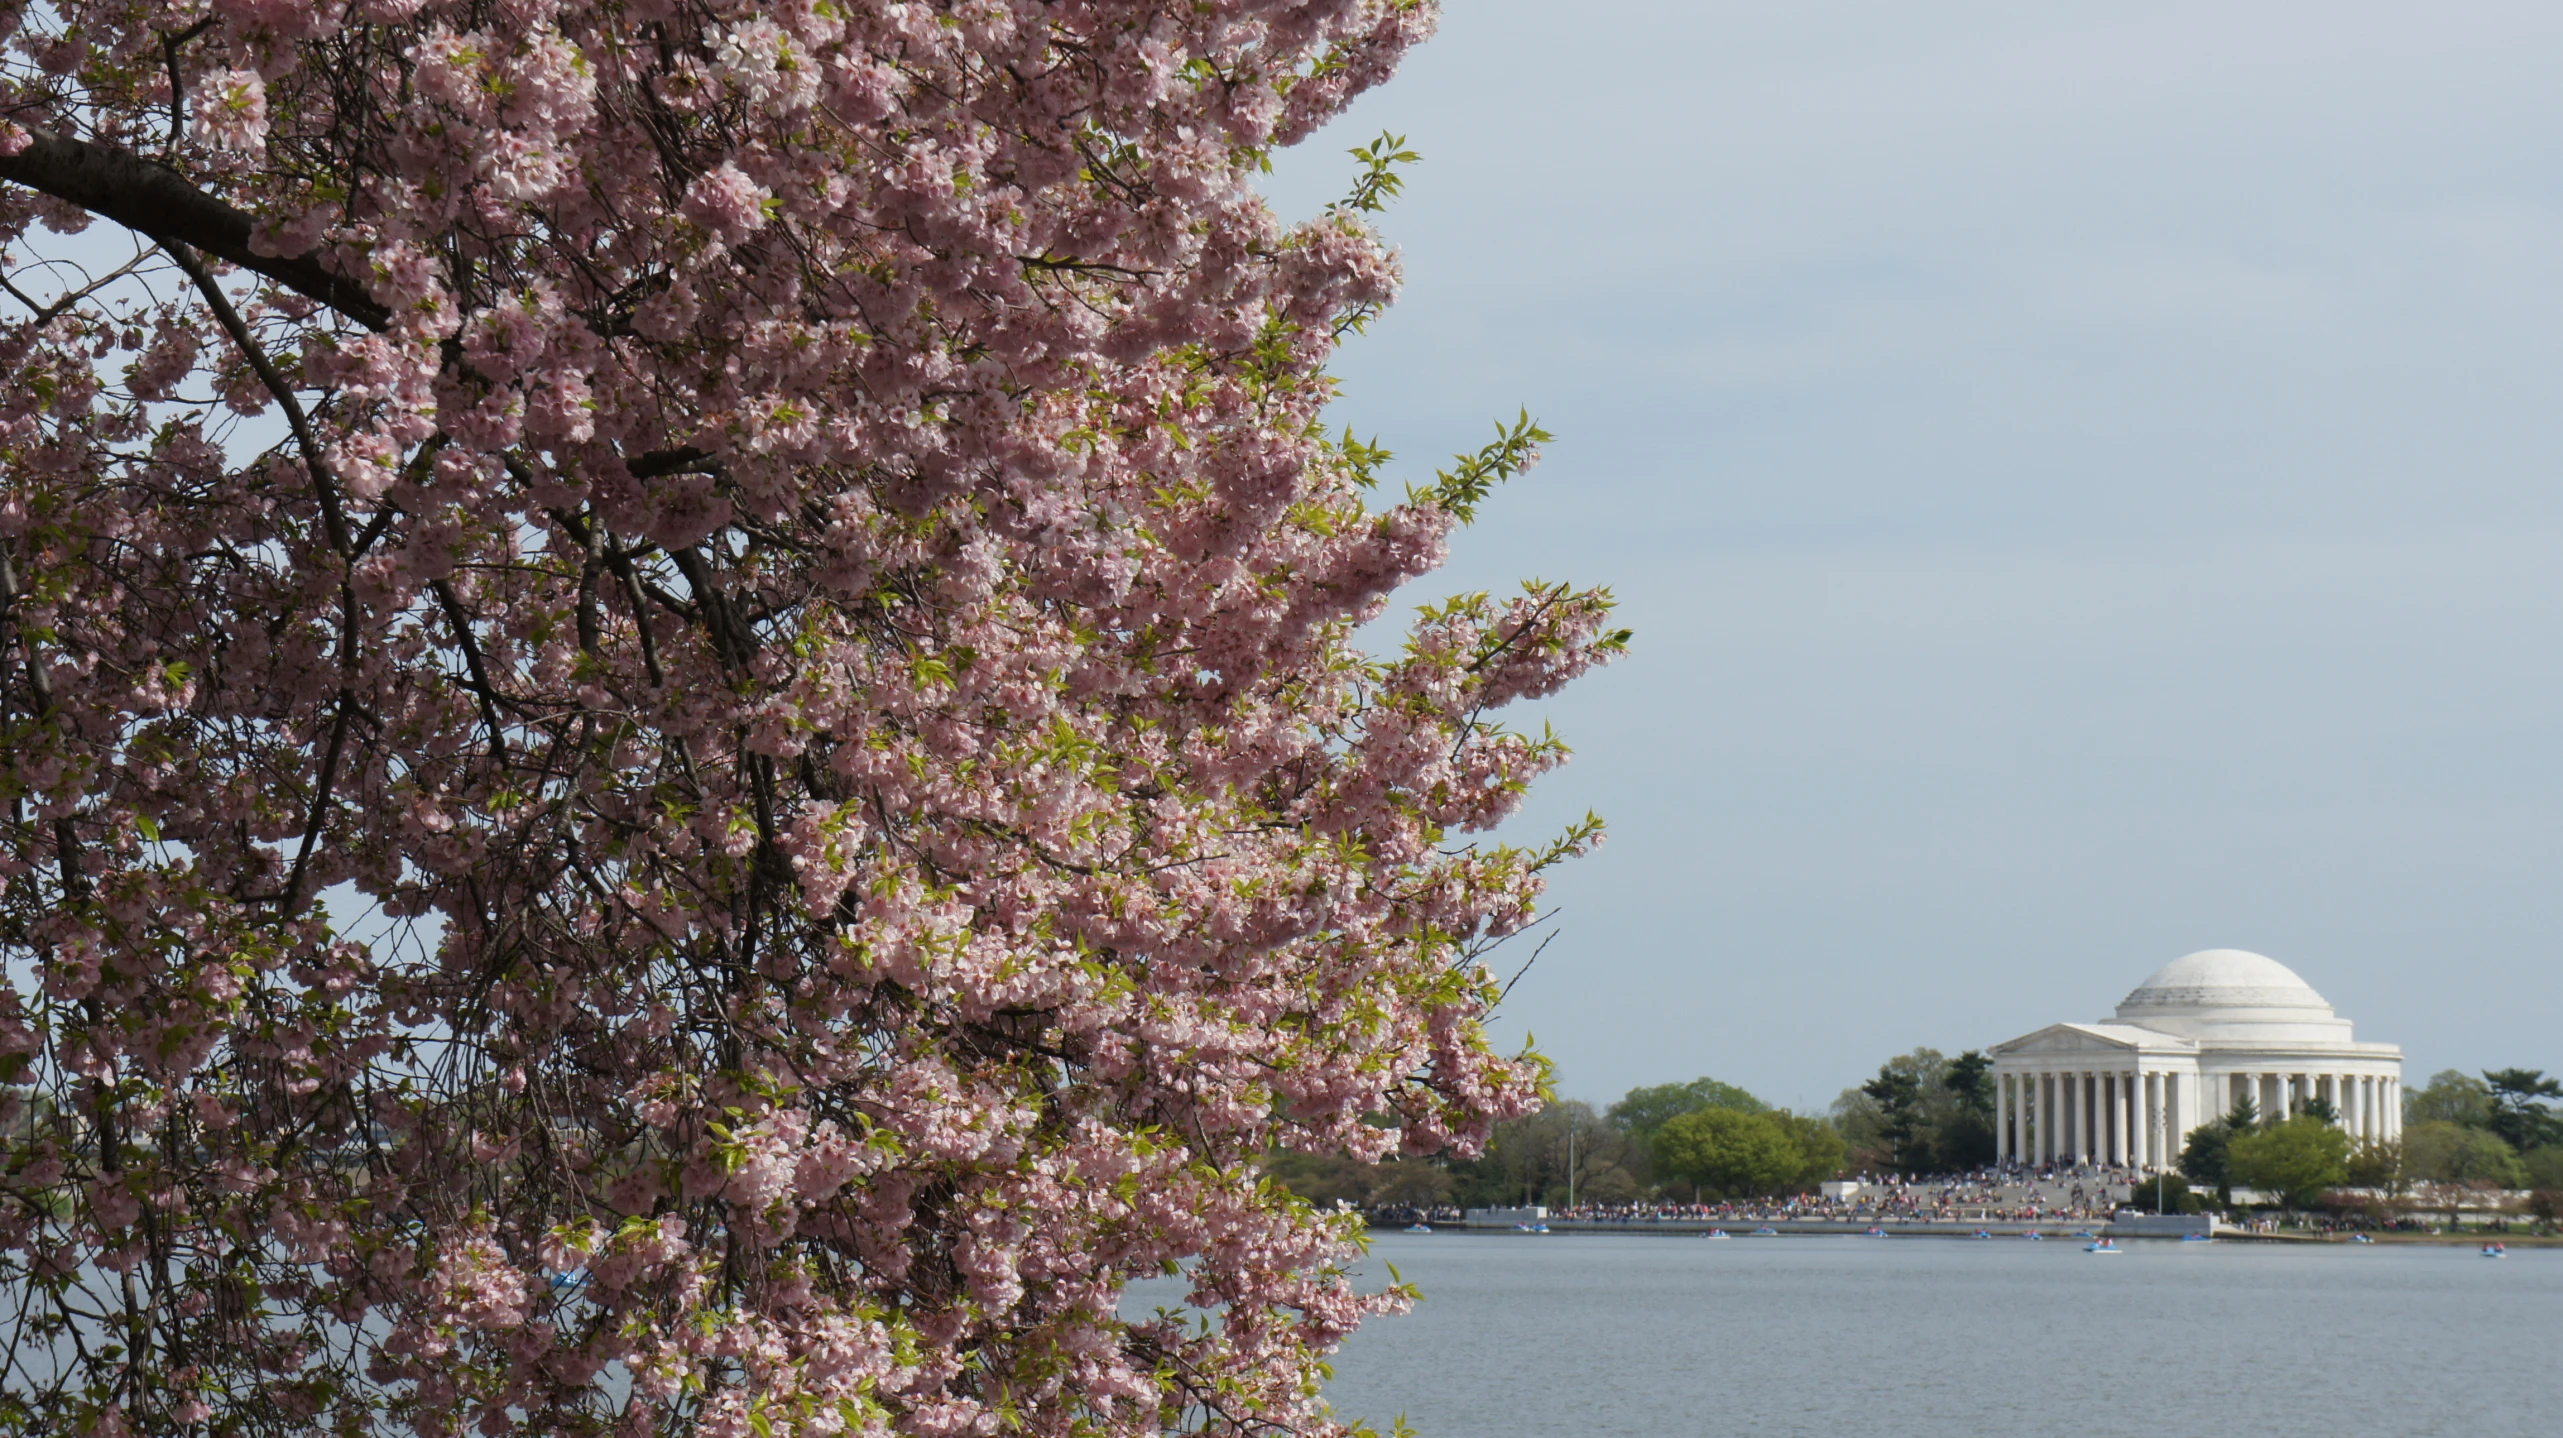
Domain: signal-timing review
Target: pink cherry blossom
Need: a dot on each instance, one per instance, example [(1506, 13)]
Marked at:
[(684, 745)]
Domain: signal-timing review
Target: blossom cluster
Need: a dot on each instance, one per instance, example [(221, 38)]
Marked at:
[(686, 754)]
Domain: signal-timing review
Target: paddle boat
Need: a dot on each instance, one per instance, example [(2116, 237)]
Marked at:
[(2496, 1250), (1766, 1231), (2085, 1233), (2034, 1236), (1875, 1232), (1980, 1233), (2102, 1245), (1717, 1233), (2360, 1238), (1419, 1228), (2196, 1238)]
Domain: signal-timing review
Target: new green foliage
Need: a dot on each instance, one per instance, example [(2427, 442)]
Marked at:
[(2298, 1159)]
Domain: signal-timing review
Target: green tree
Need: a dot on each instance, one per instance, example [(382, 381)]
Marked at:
[(1966, 1138), (1865, 1122), (2443, 1152), (2321, 1108), (2544, 1167), (1970, 1078), (1530, 1160), (1821, 1150), (2206, 1159), (1644, 1110), (1898, 1095), (1728, 1154), (2518, 1114), (2450, 1097), (2298, 1159), (2164, 1193), (2377, 1165)]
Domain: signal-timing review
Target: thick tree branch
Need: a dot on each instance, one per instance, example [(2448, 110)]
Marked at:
[(152, 200), (157, 202), (668, 461)]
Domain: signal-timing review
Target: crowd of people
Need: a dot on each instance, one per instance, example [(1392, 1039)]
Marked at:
[(2047, 1194)]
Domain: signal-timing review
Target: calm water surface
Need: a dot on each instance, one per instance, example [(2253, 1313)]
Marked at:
[(1920, 1337)]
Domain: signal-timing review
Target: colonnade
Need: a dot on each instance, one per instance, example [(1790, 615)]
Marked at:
[(2369, 1106), (2137, 1117), (2129, 1117)]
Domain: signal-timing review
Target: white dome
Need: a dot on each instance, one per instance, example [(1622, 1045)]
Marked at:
[(2232, 994)]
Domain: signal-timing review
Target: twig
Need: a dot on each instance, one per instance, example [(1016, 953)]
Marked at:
[(1525, 968)]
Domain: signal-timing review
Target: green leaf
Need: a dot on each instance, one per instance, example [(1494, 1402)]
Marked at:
[(1379, 181), (1461, 489)]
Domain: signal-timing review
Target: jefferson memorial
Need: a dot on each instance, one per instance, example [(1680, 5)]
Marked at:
[(2203, 1033)]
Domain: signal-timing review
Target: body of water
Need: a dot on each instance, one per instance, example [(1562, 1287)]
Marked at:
[(1525, 1336)]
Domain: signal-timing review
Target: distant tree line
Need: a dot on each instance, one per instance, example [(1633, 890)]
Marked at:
[(1704, 1140), (1927, 1113)]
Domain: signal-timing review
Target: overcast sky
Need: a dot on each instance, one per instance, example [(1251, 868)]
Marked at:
[(2083, 479)]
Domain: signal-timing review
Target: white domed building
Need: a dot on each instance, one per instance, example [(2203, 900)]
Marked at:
[(2202, 1033)]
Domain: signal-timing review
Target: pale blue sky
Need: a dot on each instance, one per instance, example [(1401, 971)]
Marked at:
[(2084, 480)]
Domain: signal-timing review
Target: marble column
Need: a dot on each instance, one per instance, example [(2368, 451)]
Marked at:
[(2118, 1147), (2086, 1114), (2156, 1138), (2001, 1119), (2146, 1108)]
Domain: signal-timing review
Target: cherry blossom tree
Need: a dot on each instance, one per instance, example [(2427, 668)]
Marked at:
[(684, 750)]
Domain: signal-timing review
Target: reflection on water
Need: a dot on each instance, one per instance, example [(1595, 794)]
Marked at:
[(1925, 1338)]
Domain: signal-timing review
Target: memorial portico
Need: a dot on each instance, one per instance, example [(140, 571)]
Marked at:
[(2194, 1040)]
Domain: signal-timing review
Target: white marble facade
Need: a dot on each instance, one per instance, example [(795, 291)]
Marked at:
[(2204, 1031)]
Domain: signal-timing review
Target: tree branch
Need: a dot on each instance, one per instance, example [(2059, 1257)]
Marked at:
[(300, 423), (150, 199), (462, 622), (321, 795)]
